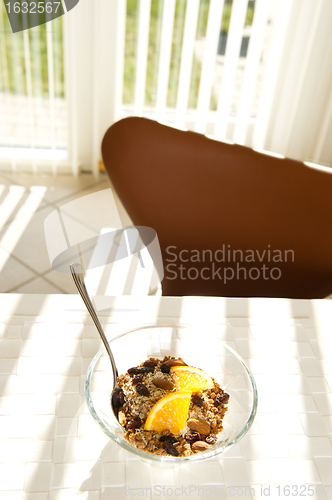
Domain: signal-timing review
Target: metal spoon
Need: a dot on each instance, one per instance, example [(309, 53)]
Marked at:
[(77, 275)]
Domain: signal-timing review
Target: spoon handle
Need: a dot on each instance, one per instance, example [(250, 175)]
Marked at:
[(77, 275)]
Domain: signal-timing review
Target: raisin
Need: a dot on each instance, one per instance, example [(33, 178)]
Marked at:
[(134, 423), (197, 400), (192, 437), (118, 399), (137, 379), (142, 389), (221, 399), (170, 449), (211, 439), (150, 362), (165, 368), (169, 439), (137, 370)]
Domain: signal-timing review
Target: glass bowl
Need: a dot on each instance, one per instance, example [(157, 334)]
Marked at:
[(197, 348)]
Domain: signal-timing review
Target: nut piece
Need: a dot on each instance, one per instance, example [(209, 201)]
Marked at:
[(163, 383), (200, 426), (199, 446), (175, 362), (122, 418)]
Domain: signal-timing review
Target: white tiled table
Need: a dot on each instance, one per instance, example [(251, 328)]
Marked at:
[(50, 448)]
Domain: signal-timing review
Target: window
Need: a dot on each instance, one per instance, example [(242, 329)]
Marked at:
[(33, 121), (256, 72)]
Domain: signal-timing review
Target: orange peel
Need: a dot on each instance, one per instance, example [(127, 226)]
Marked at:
[(188, 378), (169, 413)]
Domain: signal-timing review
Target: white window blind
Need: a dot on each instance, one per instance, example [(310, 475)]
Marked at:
[(256, 72), (239, 70), (34, 113)]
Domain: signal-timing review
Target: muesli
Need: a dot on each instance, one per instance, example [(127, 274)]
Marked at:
[(140, 391)]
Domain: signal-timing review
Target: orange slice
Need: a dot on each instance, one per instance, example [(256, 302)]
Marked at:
[(169, 413), (188, 378)]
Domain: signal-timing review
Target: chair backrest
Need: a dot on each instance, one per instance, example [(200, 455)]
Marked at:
[(247, 224)]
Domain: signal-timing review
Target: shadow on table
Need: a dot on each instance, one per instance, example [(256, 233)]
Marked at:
[(307, 389)]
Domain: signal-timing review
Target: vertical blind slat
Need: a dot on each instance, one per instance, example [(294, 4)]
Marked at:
[(165, 54), (51, 93), (3, 56), (70, 86), (121, 9), (271, 73), (303, 74), (142, 53), (234, 39), (251, 69), (5, 73), (322, 135), (35, 54), (17, 81), (16, 65), (187, 53), (209, 59), (95, 84), (28, 79)]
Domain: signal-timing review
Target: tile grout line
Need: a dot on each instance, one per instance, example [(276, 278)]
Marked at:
[(63, 198), (45, 205), (56, 286), (12, 290)]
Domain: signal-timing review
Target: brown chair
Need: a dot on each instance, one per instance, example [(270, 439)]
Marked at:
[(204, 195)]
